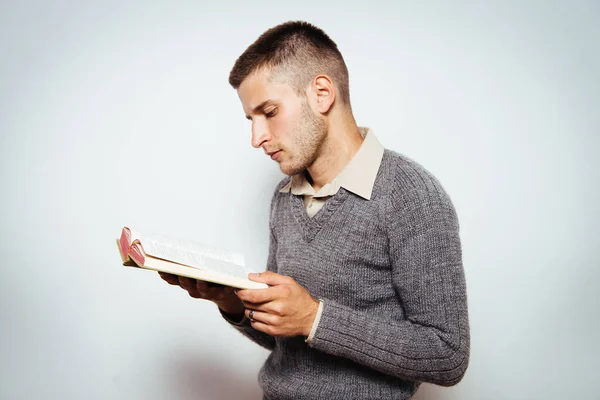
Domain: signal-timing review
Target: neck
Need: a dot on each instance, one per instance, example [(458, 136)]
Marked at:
[(341, 144)]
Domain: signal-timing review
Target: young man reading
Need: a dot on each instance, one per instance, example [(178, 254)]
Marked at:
[(367, 296)]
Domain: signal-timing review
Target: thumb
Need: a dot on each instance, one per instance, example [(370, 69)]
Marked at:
[(269, 277)]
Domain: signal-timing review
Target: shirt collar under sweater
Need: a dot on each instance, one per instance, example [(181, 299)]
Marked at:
[(357, 177)]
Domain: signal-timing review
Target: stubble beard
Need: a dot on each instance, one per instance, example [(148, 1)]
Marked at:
[(307, 142)]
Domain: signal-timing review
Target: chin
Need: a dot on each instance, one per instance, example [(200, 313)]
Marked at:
[(286, 171), (290, 170)]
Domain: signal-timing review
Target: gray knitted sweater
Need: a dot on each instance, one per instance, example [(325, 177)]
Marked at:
[(389, 272)]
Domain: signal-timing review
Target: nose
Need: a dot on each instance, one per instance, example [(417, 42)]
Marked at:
[(260, 132)]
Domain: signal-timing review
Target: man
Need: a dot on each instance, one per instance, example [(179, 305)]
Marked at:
[(367, 296)]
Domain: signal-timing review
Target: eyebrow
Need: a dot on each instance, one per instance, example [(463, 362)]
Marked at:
[(260, 107)]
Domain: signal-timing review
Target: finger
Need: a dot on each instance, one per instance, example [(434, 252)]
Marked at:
[(169, 278), (214, 292), (204, 286), (266, 328), (263, 317), (201, 286), (270, 278), (275, 308), (186, 283), (210, 287), (258, 296), (189, 284)]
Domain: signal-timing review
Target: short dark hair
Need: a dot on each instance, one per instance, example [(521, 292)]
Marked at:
[(297, 50)]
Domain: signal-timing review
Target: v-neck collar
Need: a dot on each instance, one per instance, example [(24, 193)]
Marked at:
[(312, 226)]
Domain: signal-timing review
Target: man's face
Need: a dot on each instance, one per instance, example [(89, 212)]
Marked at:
[(283, 124)]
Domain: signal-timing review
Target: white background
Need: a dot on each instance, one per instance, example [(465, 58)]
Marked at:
[(117, 114)]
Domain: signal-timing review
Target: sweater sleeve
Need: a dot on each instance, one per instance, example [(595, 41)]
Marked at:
[(431, 342)]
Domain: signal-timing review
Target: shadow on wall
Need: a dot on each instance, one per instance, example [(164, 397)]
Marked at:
[(187, 378), (212, 380)]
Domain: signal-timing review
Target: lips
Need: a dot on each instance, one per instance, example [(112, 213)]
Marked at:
[(274, 154)]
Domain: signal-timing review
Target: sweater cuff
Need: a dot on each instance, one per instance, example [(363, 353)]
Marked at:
[(315, 322)]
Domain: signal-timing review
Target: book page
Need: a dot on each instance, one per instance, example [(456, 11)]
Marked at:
[(192, 254), (190, 247), (194, 260)]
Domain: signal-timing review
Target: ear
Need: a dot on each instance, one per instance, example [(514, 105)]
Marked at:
[(324, 93)]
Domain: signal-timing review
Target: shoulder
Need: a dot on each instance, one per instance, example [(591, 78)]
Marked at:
[(409, 183), (405, 174), (277, 195), (281, 184)]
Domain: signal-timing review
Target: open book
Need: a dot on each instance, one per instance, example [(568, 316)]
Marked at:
[(184, 258)]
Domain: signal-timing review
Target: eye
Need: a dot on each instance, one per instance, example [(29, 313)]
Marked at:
[(271, 113)]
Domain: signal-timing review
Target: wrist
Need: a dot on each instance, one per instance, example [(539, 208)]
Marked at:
[(314, 307), (232, 307)]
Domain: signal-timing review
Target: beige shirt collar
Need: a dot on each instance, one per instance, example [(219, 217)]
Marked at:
[(357, 177)]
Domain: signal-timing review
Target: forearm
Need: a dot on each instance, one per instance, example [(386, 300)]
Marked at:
[(403, 349)]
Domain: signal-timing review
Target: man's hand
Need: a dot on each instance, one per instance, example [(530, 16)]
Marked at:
[(223, 296), (284, 309)]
